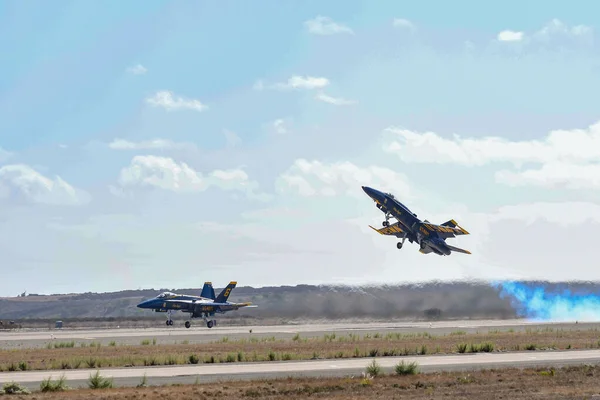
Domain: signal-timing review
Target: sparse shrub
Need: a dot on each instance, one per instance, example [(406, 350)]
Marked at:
[(97, 381), (374, 369), (296, 337), (531, 346), (112, 343), (23, 366), (474, 348), (193, 359), (423, 350), (403, 368), (373, 352), (240, 356), (286, 357), (14, 388), (487, 347), (461, 347), (231, 358), (356, 352), (143, 382), (91, 362), (145, 342), (48, 385), (550, 372), (272, 356)]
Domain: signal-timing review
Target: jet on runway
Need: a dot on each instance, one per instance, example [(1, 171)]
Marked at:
[(430, 237), (203, 306)]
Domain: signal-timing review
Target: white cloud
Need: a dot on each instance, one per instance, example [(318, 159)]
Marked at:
[(166, 100), (338, 101), (167, 174), (23, 181), (321, 25), (312, 178), (510, 36), (279, 126), (573, 146), (569, 158), (556, 27), (562, 175), (158, 144), (555, 32), (403, 23), (303, 82), (138, 69), (233, 140)]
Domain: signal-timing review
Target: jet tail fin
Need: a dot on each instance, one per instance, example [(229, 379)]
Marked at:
[(208, 291), (224, 295), (458, 250)]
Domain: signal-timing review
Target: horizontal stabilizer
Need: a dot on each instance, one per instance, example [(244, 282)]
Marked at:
[(458, 250)]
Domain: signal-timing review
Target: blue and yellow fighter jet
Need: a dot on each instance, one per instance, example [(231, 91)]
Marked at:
[(431, 237), (203, 306)]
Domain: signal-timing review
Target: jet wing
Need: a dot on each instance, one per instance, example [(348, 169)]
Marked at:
[(447, 229), (394, 230)]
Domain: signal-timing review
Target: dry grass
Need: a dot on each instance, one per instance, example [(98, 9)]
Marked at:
[(514, 384), (73, 356)]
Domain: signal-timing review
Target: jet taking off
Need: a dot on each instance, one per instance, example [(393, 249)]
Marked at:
[(203, 306), (431, 237)]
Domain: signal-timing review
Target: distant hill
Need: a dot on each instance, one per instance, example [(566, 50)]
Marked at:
[(431, 300)]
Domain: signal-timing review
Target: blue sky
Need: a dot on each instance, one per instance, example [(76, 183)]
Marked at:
[(216, 139)]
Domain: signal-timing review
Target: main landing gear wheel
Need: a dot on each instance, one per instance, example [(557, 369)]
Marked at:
[(399, 245), (211, 323), (169, 322), (385, 223), (187, 324)]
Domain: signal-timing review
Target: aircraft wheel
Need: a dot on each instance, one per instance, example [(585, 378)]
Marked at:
[(399, 245), (171, 322), (187, 324), (385, 223), (209, 324), (167, 322)]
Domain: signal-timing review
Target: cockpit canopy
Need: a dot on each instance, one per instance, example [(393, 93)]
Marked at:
[(166, 294)]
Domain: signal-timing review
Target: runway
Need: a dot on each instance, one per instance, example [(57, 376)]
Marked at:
[(201, 334), (339, 367)]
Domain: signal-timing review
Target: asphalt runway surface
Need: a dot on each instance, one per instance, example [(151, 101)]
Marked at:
[(199, 333), (282, 369)]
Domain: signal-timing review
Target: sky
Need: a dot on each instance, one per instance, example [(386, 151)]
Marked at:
[(155, 144)]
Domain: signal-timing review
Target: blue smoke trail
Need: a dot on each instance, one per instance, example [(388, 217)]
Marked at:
[(536, 303)]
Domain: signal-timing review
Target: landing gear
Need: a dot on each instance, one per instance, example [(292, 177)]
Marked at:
[(385, 223), (187, 324), (399, 244), (169, 320), (211, 323)]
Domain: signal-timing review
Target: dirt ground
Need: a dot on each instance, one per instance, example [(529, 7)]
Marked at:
[(579, 382), (270, 349)]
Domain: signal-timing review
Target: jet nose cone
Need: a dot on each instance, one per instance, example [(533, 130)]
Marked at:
[(370, 192), (143, 304)]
